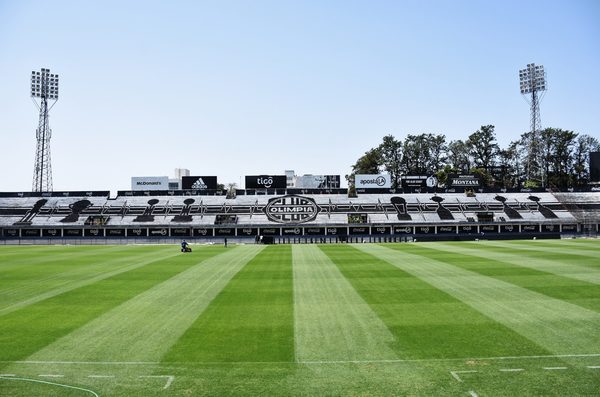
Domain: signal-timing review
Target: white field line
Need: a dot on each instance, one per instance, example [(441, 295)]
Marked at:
[(101, 376), (472, 393), (170, 379), (53, 384), (51, 376), (511, 369), (416, 360), (457, 377), (2, 375), (593, 366), (554, 368)]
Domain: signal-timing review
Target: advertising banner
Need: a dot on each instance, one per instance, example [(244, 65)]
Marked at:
[(247, 231), (95, 232), (446, 229), (269, 231), (181, 232), (488, 229), (372, 181), (115, 232), (30, 232), (291, 231), (266, 182), (73, 233), (381, 230), (199, 182), (549, 228), (51, 233), (463, 180), (354, 230), (224, 232), (425, 229), (337, 231), (137, 232), (314, 231), (403, 230), (529, 228), (203, 232), (467, 229), (419, 181), (317, 182), (150, 183)]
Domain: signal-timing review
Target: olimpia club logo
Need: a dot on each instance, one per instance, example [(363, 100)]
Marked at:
[(291, 209)]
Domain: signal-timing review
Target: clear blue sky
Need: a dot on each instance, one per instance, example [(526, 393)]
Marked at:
[(239, 88)]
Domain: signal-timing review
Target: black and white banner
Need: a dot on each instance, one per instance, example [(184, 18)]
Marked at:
[(199, 182), (266, 182), (463, 180)]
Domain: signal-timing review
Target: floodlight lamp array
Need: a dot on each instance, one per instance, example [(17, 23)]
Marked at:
[(44, 84), (532, 78)]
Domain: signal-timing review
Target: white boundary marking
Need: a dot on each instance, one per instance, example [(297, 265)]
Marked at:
[(554, 368), (51, 376), (101, 376), (458, 378), (170, 379), (417, 360), (3, 375), (593, 366), (511, 369), (472, 393), (52, 383)]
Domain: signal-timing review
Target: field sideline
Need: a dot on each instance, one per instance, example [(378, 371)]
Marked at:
[(486, 318)]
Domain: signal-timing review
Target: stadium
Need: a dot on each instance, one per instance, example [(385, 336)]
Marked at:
[(435, 265)]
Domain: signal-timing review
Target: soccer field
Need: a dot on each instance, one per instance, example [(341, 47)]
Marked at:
[(486, 318)]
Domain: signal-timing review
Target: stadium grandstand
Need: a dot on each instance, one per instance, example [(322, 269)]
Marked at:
[(292, 216)]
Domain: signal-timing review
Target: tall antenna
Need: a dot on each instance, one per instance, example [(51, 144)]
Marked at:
[(533, 82), (44, 86)]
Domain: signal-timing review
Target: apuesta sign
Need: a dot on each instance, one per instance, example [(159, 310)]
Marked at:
[(291, 209), (372, 181)]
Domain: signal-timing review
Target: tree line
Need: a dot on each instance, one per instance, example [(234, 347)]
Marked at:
[(552, 158)]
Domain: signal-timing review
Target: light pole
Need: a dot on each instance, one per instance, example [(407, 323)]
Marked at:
[(44, 86), (532, 81)]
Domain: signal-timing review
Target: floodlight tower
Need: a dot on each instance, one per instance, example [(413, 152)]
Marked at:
[(533, 82), (45, 87)]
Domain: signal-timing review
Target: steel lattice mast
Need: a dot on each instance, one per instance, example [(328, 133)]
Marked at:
[(532, 81), (45, 87)]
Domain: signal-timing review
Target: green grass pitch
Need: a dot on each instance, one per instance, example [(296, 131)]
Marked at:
[(482, 318)]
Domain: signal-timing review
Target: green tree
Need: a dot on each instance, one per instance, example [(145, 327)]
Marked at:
[(390, 151), (368, 163), (483, 147)]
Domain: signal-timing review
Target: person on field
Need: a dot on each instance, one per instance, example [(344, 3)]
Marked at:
[(225, 242), (184, 246)]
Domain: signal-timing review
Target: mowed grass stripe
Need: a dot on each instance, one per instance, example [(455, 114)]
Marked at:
[(561, 265), (556, 325), (25, 331), (79, 274), (251, 320), (427, 323), (577, 292), (332, 322), (53, 257), (567, 252), (144, 327)]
